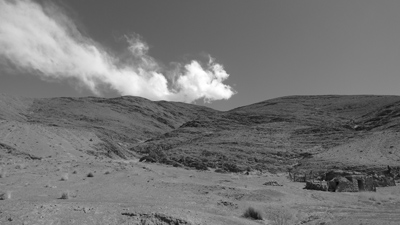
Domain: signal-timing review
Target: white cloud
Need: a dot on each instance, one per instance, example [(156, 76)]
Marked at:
[(42, 40)]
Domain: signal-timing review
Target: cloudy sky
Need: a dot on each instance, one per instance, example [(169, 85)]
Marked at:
[(224, 54)]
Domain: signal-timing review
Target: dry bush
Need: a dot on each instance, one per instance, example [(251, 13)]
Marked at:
[(64, 177), (65, 195), (6, 195), (251, 213)]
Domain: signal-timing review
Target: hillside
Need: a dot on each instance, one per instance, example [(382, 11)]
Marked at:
[(90, 160), (310, 132), (91, 125)]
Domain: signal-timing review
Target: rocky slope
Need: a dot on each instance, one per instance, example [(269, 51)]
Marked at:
[(310, 132)]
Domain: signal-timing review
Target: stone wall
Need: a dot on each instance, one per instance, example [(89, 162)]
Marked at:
[(318, 185), (369, 184), (339, 184), (346, 185), (383, 181)]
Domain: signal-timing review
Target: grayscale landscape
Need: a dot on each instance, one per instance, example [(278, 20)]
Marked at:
[(128, 160), (211, 112)]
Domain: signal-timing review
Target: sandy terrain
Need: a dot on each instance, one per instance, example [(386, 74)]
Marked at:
[(124, 192)]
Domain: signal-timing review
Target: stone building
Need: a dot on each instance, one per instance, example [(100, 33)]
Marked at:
[(352, 183), (343, 181)]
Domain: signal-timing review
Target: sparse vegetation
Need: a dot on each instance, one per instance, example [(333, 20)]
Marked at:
[(280, 217), (251, 213), (378, 197), (257, 139), (65, 195), (232, 167)]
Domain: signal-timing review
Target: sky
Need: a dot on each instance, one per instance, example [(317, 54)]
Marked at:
[(222, 54)]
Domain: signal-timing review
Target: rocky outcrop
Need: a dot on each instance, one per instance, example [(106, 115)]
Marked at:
[(154, 219), (272, 183)]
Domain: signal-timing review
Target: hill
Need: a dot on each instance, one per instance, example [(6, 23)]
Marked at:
[(304, 132), (91, 125)]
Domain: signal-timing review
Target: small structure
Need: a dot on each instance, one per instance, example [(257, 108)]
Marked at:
[(342, 173), (343, 181), (352, 183)]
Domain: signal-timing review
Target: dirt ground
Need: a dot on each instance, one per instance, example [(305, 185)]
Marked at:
[(131, 192)]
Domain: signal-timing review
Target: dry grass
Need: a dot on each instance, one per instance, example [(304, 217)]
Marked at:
[(378, 197), (251, 213), (279, 216)]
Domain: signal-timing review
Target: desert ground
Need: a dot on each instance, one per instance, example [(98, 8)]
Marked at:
[(78, 161), (132, 192)]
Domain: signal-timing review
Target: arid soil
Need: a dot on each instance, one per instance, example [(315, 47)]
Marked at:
[(131, 192), (175, 163)]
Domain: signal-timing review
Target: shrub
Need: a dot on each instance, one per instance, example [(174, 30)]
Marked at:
[(90, 174), (219, 170), (65, 195), (231, 167), (157, 154), (251, 213)]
